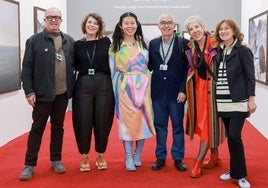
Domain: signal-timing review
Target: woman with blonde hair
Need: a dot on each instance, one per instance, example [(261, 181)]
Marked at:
[(201, 93)]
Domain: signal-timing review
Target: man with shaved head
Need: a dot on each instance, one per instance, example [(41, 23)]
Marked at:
[(47, 80)]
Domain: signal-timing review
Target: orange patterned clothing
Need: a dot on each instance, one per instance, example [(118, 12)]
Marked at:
[(202, 110)]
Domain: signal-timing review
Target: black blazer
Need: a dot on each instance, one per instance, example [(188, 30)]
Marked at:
[(172, 81), (240, 72)]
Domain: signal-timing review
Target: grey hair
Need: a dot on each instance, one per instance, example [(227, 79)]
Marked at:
[(52, 8), (193, 19), (166, 14)]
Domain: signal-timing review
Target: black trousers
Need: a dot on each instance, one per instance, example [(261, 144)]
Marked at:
[(233, 126), (41, 112), (93, 109)]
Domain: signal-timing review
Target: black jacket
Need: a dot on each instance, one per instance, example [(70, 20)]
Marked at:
[(172, 81), (240, 72), (38, 68)]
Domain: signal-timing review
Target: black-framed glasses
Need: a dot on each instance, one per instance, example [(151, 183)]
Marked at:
[(56, 18), (168, 23)]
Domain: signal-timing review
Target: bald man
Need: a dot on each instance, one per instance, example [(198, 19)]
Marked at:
[(48, 81)]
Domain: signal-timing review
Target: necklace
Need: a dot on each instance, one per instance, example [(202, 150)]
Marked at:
[(130, 44)]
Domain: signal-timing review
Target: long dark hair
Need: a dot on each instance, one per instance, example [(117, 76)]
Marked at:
[(118, 34)]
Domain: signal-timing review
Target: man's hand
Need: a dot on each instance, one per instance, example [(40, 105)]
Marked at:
[(181, 97), (31, 100)]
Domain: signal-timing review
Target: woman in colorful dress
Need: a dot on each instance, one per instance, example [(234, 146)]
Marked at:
[(132, 83), (200, 89)]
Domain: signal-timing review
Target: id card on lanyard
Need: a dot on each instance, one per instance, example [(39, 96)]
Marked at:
[(91, 70), (164, 66)]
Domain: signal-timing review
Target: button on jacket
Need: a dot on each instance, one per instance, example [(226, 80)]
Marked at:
[(240, 72), (38, 69)]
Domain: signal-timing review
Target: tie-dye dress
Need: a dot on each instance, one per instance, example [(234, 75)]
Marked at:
[(132, 84)]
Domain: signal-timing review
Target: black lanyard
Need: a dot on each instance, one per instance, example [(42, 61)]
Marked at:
[(202, 61), (90, 59), (225, 50), (165, 55)]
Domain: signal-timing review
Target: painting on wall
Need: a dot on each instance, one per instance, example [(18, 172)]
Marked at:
[(39, 23), (9, 46), (186, 35), (258, 42)]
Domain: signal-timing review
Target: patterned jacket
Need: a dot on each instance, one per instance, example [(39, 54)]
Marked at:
[(216, 128)]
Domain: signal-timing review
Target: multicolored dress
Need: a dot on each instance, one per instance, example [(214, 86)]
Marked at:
[(202, 116), (132, 84)]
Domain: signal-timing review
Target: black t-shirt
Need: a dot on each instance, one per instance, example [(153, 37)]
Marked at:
[(84, 51)]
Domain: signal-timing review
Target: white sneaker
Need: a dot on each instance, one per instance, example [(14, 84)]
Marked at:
[(226, 176), (243, 183)]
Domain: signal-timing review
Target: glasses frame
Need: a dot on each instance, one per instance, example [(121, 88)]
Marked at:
[(151, 30), (50, 18), (168, 23)]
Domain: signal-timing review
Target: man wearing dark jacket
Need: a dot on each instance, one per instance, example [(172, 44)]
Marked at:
[(169, 70), (48, 81)]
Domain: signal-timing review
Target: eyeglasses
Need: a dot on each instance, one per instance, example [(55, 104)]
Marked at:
[(168, 23), (56, 18)]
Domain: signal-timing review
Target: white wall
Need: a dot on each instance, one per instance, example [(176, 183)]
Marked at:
[(14, 109), (259, 118)]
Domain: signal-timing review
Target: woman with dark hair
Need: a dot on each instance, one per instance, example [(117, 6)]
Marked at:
[(132, 81), (235, 94), (93, 100)]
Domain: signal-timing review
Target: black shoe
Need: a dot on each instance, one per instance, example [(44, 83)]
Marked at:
[(158, 164), (179, 165)]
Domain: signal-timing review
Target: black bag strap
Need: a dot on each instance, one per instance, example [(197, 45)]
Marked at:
[(180, 43)]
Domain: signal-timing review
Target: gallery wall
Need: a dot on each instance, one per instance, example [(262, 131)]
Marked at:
[(148, 11), (259, 118), (14, 109)]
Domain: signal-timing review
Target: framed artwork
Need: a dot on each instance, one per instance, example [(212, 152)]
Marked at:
[(39, 15), (9, 46), (258, 41), (186, 35), (151, 31)]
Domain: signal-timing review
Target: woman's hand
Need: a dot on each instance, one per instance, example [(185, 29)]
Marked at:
[(251, 105)]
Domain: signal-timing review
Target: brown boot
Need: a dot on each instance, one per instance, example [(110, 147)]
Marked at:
[(196, 170), (213, 161)]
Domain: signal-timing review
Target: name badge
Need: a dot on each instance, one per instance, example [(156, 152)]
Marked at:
[(91, 71), (59, 57), (163, 67)]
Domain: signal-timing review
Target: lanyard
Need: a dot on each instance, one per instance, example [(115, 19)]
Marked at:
[(90, 59), (162, 49)]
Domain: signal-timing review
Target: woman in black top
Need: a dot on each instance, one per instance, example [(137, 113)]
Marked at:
[(235, 94), (93, 100)]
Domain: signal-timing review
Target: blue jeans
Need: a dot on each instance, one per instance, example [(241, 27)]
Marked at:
[(163, 109)]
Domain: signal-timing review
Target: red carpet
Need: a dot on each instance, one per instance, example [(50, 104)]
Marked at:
[(12, 158)]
